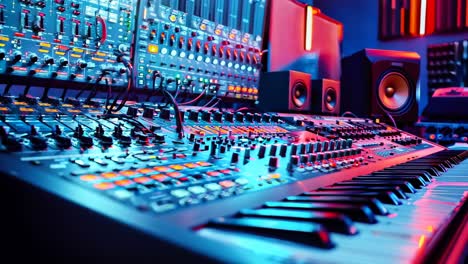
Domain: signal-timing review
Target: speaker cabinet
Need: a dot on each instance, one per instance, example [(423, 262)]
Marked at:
[(381, 83), (285, 91), (326, 97)]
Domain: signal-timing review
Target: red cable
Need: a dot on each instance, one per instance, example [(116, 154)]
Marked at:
[(104, 29)]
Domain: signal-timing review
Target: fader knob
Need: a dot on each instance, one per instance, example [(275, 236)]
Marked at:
[(165, 114), (273, 162)]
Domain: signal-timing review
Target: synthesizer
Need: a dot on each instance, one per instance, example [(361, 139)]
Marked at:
[(231, 186)]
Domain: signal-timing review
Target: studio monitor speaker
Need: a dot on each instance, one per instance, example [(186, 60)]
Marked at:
[(285, 91), (381, 83), (326, 97)]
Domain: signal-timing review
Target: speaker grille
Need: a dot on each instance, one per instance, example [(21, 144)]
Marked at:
[(329, 99), (299, 94), (394, 92)]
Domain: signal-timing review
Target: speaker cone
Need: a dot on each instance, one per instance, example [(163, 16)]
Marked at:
[(394, 91), (299, 94), (330, 99)]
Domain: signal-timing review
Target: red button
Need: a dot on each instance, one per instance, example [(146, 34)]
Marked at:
[(227, 184), (174, 174), (124, 182), (213, 173), (142, 180), (159, 177)]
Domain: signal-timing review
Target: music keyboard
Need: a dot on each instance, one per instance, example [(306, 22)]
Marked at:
[(301, 230)]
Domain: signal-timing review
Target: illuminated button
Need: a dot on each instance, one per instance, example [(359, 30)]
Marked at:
[(196, 189), (127, 173), (109, 175), (181, 193), (229, 64), (204, 164), (173, 53), (145, 171), (101, 162), (177, 167), (124, 182), (153, 49), (213, 187), (223, 63), (226, 171), (191, 56), (243, 67), (191, 165), (227, 184), (182, 54), (183, 179), (89, 177), (215, 61), (275, 176), (213, 173), (174, 174), (172, 18), (242, 181), (161, 169), (104, 186), (199, 58), (82, 163), (236, 66), (164, 51), (249, 68), (159, 177), (207, 60), (142, 180)]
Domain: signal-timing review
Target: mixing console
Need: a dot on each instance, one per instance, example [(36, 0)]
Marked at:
[(134, 162), (62, 40), (194, 43)]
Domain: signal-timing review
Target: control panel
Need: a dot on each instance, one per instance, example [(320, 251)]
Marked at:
[(200, 46), (63, 40)]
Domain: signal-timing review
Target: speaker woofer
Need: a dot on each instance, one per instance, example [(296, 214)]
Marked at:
[(299, 94), (330, 99), (394, 91)]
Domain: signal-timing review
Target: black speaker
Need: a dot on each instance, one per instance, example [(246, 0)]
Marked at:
[(381, 83), (326, 97), (285, 91)]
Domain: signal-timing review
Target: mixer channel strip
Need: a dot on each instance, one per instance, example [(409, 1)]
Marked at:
[(359, 220)]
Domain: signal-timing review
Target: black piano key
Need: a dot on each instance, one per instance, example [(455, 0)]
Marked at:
[(385, 197), (307, 233), (417, 181), (404, 185), (433, 171), (358, 213), (394, 189), (424, 174), (333, 222), (374, 204)]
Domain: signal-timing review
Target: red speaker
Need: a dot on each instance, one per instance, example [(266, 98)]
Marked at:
[(285, 91), (381, 83), (326, 97)]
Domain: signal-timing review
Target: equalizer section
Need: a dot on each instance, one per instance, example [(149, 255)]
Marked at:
[(71, 41), (200, 46)]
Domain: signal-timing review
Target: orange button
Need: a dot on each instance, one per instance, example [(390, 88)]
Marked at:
[(104, 186), (89, 177), (174, 174), (127, 173), (109, 175), (159, 177), (145, 170), (226, 184), (161, 169), (124, 182), (204, 163), (177, 167), (142, 180), (190, 165)]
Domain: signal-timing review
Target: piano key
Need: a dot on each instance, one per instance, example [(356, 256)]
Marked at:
[(307, 233), (416, 181), (404, 185), (385, 197), (394, 189), (374, 204), (434, 172), (424, 174), (333, 222), (359, 213)]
